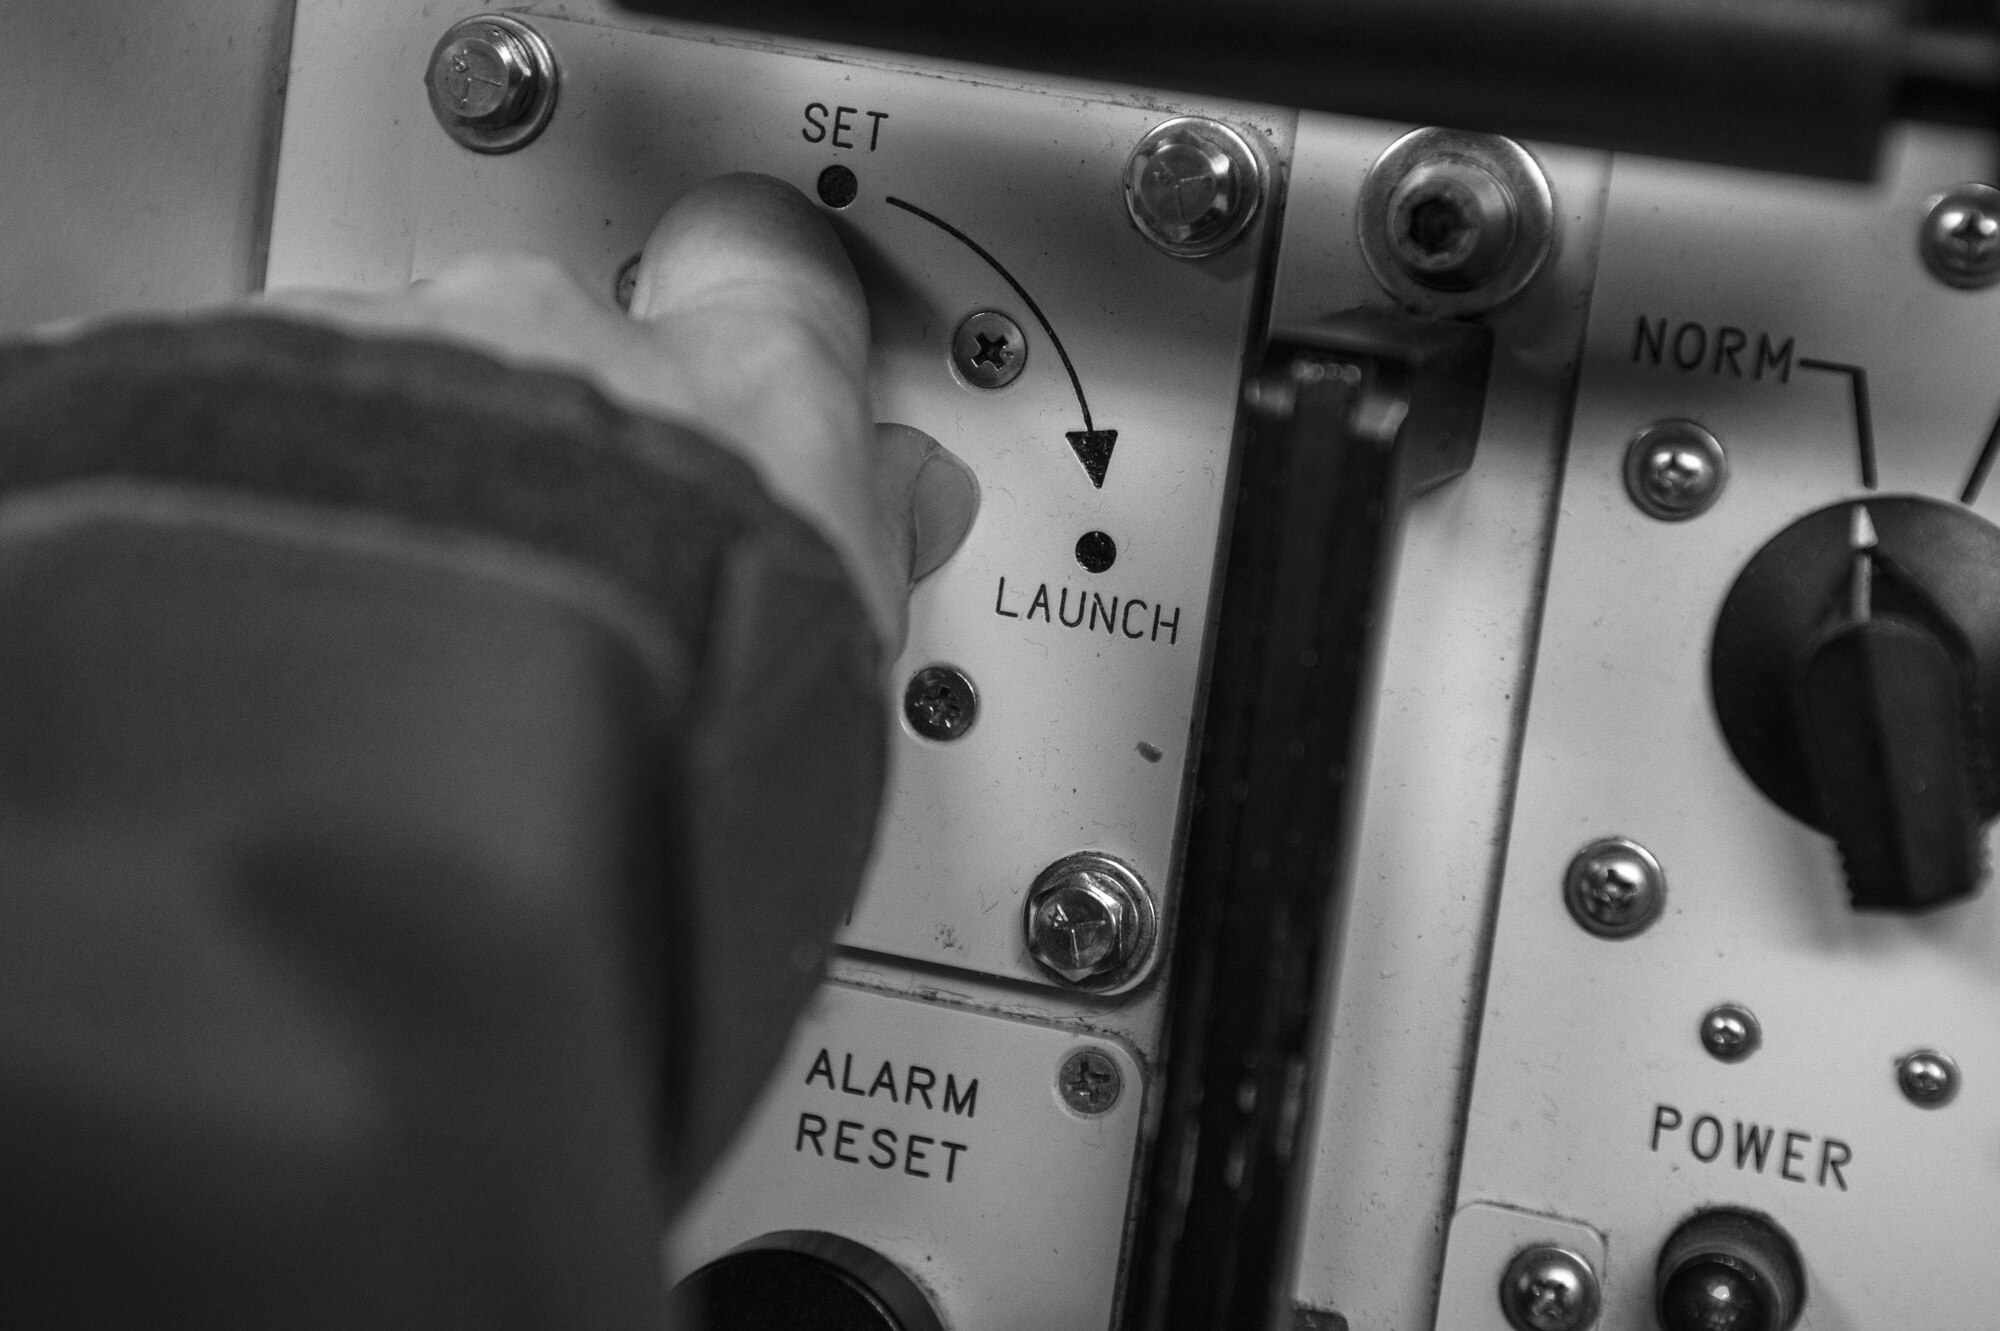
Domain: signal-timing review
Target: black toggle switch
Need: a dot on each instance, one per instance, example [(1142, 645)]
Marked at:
[(1856, 674), (1729, 1270)]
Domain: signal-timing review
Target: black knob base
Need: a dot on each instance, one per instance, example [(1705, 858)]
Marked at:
[(1856, 675), (1729, 1270), (802, 1280)]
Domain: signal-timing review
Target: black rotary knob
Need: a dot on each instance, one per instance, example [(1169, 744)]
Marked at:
[(1729, 1270), (1856, 675), (803, 1280)]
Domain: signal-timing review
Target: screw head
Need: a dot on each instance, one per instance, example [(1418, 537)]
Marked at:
[(1451, 223), (1614, 887), (989, 350), (1675, 470), (1928, 1079), (1090, 1082), (1089, 922), (1960, 237), (1193, 186), (1731, 1033), (940, 703), (1547, 1288), (492, 83)]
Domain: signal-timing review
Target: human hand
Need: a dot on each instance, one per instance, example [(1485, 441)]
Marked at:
[(748, 322)]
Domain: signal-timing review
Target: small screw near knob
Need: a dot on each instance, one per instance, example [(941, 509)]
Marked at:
[(1614, 887), (1675, 470), (1730, 1033), (1927, 1079)]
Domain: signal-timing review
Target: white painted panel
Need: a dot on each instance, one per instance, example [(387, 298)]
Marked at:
[(1084, 730), (134, 166), (1007, 1206), (1584, 1039)]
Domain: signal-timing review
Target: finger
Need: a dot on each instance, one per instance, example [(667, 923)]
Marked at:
[(746, 291), (926, 491), (751, 243)]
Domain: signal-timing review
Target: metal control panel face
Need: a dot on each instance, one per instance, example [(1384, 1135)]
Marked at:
[(1088, 377), (988, 1158), (1749, 1041)]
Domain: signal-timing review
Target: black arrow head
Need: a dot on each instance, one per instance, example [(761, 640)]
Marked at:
[(1093, 450)]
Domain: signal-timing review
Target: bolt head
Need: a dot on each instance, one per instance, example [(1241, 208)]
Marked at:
[(492, 83), (483, 79), (940, 703), (1451, 223), (989, 350), (1928, 1079), (1614, 887), (1960, 238), (1090, 1082), (1192, 186), (1549, 1289), (1089, 921), (1730, 1033), (1675, 470), (1077, 927)]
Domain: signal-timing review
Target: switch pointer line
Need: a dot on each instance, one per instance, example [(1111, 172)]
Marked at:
[(1019, 290), (1983, 464), (1864, 426)]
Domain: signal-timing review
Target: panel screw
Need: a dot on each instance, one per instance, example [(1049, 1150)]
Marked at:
[(1549, 1289), (1731, 1033), (1089, 921), (1928, 1079), (940, 702), (1614, 887), (1090, 1081), (1675, 470), (1453, 223), (1192, 186), (989, 350), (1960, 239), (492, 83)]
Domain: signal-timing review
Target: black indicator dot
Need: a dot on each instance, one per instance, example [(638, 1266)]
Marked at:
[(1096, 551), (837, 187)]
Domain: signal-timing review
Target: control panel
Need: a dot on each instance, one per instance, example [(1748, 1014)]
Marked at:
[(1657, 988), (1740, 995)]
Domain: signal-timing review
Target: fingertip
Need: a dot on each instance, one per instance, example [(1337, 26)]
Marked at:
[(942, 510), (748, 243)]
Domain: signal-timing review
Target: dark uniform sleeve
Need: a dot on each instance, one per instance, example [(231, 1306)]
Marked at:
[(426, 794)]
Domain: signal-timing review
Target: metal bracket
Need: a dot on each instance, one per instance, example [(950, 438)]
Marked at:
[(1345, 422)]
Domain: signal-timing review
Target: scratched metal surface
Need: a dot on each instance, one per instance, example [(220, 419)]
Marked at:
[(1585, 1040)]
